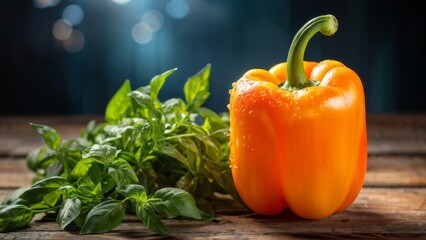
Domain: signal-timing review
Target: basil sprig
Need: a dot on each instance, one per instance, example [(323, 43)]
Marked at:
[(155, 159)]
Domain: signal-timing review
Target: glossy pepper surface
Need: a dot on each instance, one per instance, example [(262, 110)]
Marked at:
[(298, 133)]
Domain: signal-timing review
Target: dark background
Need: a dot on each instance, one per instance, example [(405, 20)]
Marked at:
[(383, 41)]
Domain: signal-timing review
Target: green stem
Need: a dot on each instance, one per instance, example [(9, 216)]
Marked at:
[(36, 211), (296, 77), (178, 136)]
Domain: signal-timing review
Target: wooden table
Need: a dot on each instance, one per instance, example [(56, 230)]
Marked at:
[(392, 203)]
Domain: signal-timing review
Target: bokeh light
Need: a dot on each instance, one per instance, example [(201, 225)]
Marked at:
[(74, 14), (45, 3), (138, 39), (154, 19), (178, 8), (121, 2), (142, 33), (75, 42), (62, 29)]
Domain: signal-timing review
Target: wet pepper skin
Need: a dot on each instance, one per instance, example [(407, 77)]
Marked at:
[(305, 150)]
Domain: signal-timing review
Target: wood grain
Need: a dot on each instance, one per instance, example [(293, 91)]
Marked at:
[(396, 171), (377, 212), (389, 134), (391, 205), (382, 171)]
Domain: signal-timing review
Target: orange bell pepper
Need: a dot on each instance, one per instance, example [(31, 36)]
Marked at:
[(298, 133)]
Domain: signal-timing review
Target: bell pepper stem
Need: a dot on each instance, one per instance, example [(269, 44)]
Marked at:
[(296, 76)]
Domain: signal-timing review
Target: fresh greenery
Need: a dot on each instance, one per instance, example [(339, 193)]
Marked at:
[(150, 158)]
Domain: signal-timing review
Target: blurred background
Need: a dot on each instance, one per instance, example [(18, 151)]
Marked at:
[(70, 56)]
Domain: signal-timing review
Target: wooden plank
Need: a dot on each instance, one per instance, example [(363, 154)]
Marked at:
[(397, 147), (14, 173), (396, 134), (387, 133), (382, 171), (376, 213), (18, 146), (396, 171), (378, 125), (391, 204), (17, 137), (8, 143), (396, 126), (18, 143)]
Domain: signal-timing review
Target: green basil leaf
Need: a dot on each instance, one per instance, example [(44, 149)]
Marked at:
[(128, 156), (15, 217), (104, 217), (171, 151), (54, 169), (103, 154), (68, 191), (145, 101), (212, 121), (157, 82), (143, 145), (54, 182), (35, 195), (70, 209), (122, 172), (195, 162), (229, 185), (108, 183), (49, 135), (40, 157), (89, 193), (88, 134), (174, 108), (90, 126), (49, 200), (43, 199), (14, 197), (147, 215), (188, 183), (196, 89), (45, 193), (206, 209), (82, 167), (177, 201), (189, 144), (119, 104), (157, 131), (96, 173), (224, 179), (211, 147), (163, 210), (134, 192)]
